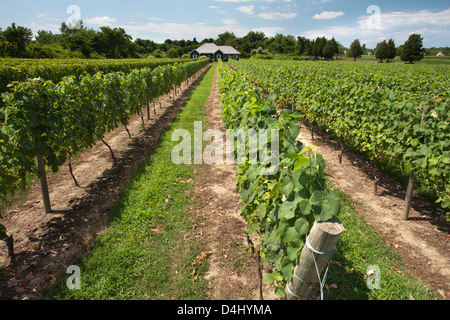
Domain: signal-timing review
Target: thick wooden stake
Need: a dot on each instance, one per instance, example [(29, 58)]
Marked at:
[(43, 181), (323, 238), (341, 155), (408, 198), (10, 244), (375, 189), (148, 109), (142, 118), (258, 258)]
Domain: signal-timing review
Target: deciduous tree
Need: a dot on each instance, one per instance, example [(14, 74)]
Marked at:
[(391, 50), (413, 49), (381, 51), (355, 50)]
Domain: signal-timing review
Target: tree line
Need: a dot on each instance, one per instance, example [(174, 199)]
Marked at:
[(107, 42), (412, 50), (115, 43)]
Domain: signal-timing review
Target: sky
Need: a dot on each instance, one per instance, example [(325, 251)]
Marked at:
[(369, 21)]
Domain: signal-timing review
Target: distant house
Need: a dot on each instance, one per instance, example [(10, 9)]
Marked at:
[(440, 54), (215, 52)]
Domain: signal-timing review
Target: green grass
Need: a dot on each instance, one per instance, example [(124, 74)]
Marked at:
[(429, 60), (359, 247), (145, 254)]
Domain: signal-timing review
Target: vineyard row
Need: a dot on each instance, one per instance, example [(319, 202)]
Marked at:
[(56, 69), (44, 123), (393, 114), (280, 208)]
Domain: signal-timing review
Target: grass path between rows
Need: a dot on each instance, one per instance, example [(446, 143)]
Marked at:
[(143, 255), (361, 251)]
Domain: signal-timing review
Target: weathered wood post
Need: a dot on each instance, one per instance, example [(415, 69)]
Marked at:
[(315, 256), (10, 244), (43, 182), (408, 197)]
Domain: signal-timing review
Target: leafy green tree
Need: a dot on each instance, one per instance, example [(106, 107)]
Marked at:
[(328, 51), (172, 53), (227, 39), (355, 50), (84, 42), (391, 50), (145, 46), (3, 45), (319, 45), (115, 43), (300, 46), (158, 53), (381, 51), (260, 51), (18, 39), (413, 49), (309, 45)]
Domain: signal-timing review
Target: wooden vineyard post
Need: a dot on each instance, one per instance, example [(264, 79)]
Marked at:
[(408, 198), (315, 256), (43, 180), (411, 182), (10, 244)]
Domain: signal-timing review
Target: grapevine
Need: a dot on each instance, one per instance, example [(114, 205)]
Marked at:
[(392, 114), (280, 208), (52, 122)]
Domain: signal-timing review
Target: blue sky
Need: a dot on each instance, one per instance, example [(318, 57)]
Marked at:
[(370, 21)]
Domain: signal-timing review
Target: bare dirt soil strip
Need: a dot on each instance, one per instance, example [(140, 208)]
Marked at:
[(46, 244), (422, 241), (233, 272)]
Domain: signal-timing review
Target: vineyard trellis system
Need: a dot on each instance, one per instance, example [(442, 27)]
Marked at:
[(394, 114), (43, 123), (282, 207)]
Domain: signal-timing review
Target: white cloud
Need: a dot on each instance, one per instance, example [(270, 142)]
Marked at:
[(316, 2), (35, 27), (177, 31), (402, 19), (433, 26), (250, 10), (277, 15), (234, 1), (217, 9), (325, 15), (229, 22), (156, 19), (103, 21)]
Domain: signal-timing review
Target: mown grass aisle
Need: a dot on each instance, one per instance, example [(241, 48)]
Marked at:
[(144, 253)]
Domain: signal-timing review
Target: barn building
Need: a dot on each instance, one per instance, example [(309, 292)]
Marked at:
[(215, 52)]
